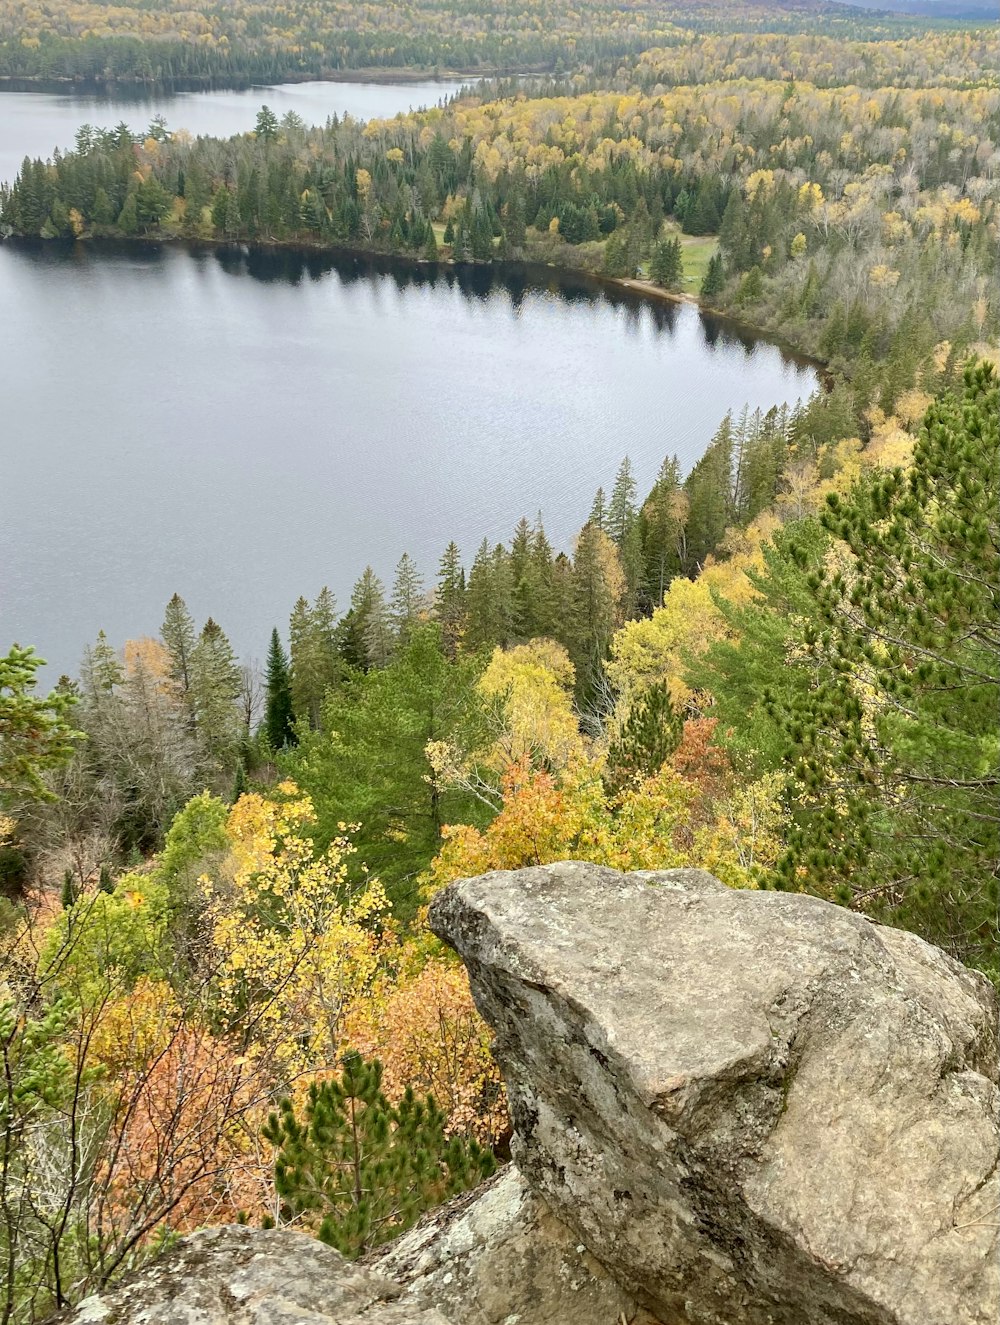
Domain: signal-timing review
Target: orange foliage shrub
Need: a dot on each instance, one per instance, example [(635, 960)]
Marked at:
[(427, 1034)]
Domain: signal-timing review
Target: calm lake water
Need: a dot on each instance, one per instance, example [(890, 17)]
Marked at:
[(243, 429), (35, 123)]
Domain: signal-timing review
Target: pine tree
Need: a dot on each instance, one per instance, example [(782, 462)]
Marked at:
[(647, 738), (362, 1169), (899, 719), (278, 715)]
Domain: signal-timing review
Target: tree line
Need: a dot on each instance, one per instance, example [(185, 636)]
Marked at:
[(852, 222)]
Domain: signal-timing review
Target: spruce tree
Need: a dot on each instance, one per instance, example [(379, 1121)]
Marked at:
[(279, 726), (314, 656), (178, 635), (362, 1170), (449, 599), (407, 598), (666, 266), (597, 588), (621, 508), (661, 522), (375, 620), (714, 280), (215, 688), (709, 489), (482, 624)]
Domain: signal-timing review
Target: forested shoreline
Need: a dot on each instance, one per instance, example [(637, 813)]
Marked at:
[(253, 43), (221, 1000), (857, 223)]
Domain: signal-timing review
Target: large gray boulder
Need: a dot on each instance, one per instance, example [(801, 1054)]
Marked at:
[(498, 1256), (752, 1108), (244, 1276)]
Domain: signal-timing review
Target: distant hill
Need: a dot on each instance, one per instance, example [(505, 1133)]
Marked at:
[(977, 10)]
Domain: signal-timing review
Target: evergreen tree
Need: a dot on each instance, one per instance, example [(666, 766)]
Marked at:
[(178, 635), (661, 521), (365, 634), (315, 661), (709, 489), (714, 280), (649, 735), (621, 508), (266, 127), (70, 892), (666, 266), (215, 688), (380, 771), (896, 736), (598, 517), (376, 622), (483, 624), (527, 621), (363, 1169), (278, 714), (597, 589), (407, 598), (449, 600)]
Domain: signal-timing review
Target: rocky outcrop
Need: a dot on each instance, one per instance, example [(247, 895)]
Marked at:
[(753, 1108), (498, 1256), (243, 1276), (730, 1108)]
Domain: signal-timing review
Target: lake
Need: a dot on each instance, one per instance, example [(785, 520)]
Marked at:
[(244, 428), (35, 123)]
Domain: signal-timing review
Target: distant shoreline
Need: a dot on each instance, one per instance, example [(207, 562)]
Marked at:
[(640, 290), (241, 83)]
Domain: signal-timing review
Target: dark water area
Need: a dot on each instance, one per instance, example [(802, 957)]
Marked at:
[(35, 123), (246, 427)]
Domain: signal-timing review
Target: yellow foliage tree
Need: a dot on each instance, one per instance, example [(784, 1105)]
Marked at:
[(294, 944), (534, 682)]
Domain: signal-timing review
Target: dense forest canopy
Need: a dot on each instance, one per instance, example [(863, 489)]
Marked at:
[(247, 41), (859, 221), (783, 666)]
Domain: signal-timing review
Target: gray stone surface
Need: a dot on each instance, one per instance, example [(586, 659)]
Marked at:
[(497, 1256), (753, 1108), (243, 1276)]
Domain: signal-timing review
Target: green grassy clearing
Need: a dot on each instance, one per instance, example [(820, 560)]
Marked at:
[(696, 251)]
